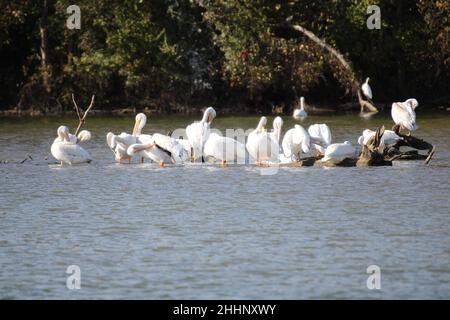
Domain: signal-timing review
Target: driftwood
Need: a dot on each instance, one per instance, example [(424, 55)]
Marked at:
[(372, 153), (347, 162), (393, 151), (82, 115), (356, 85)]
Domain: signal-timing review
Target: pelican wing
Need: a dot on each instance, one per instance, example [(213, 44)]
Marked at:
[(171, 145), (404, 115), (70, 153), (224, 148), (339, 151)]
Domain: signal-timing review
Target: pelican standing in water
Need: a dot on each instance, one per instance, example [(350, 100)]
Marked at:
[(224, 149), (300, 114), (198, 133), (366, 89), (65, 148), (295, 141), (261, 146), (404, 115), (120, 143), (320, 137)]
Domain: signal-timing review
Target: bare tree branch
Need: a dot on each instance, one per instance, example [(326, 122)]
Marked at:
[(76, 107), (356, 86), (83, 118)]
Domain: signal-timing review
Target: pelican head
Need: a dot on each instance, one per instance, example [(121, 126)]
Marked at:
[(277, 123), (63, 133), (302, 102), (84, 136), (413, 103), (139, 124), (367, 80), (262, 124), (209, 115)]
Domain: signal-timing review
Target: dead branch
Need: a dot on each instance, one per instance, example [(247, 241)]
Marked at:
[(356, 85), (413, 142), (76, 107), (82, 119)]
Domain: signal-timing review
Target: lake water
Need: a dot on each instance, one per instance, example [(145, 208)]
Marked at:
[(204, 232)]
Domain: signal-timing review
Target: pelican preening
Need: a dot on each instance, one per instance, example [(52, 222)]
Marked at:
[(198, 132), (300, 114), (295, 141), (338, 152), (320, 137), (161, 149), (65, 147), (224, 149), (404, 115), (119, 143), (366, 89), (262, 147)]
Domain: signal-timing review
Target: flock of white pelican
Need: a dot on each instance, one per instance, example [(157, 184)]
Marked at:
[(262, 146)]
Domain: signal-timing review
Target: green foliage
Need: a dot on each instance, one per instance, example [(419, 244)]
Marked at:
[(138, 52)]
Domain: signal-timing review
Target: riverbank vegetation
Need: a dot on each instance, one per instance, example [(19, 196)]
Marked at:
[(240, 56)]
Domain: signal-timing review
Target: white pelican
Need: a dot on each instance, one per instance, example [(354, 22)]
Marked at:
[(224, 149), (366, 89), (276, 132), (404, 115), (120, 143), (389, 137), (337, 152), (161, 149), (67, 151), (198, 132), (300, 113), (83, 136), (261, 146), (320, 137), (295, 141)]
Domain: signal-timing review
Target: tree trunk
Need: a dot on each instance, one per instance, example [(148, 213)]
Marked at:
[(43, 31)]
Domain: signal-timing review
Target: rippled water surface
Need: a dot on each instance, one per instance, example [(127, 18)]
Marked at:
[(204, 232)]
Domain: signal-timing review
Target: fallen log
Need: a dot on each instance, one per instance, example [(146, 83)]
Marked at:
[(409, 141), (372, 153)]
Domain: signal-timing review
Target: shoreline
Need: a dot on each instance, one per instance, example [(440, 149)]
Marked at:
[(123, 112)]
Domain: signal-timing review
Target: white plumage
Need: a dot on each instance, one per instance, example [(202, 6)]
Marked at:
[(300, 113), (198, 133), (261, 146), (337, 152), (65, 150), (295, 141), (120, 143), (161, 149), (320, 137), (389, 137), (404, 115), (224, 149), (277, 126), (366, 89)]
